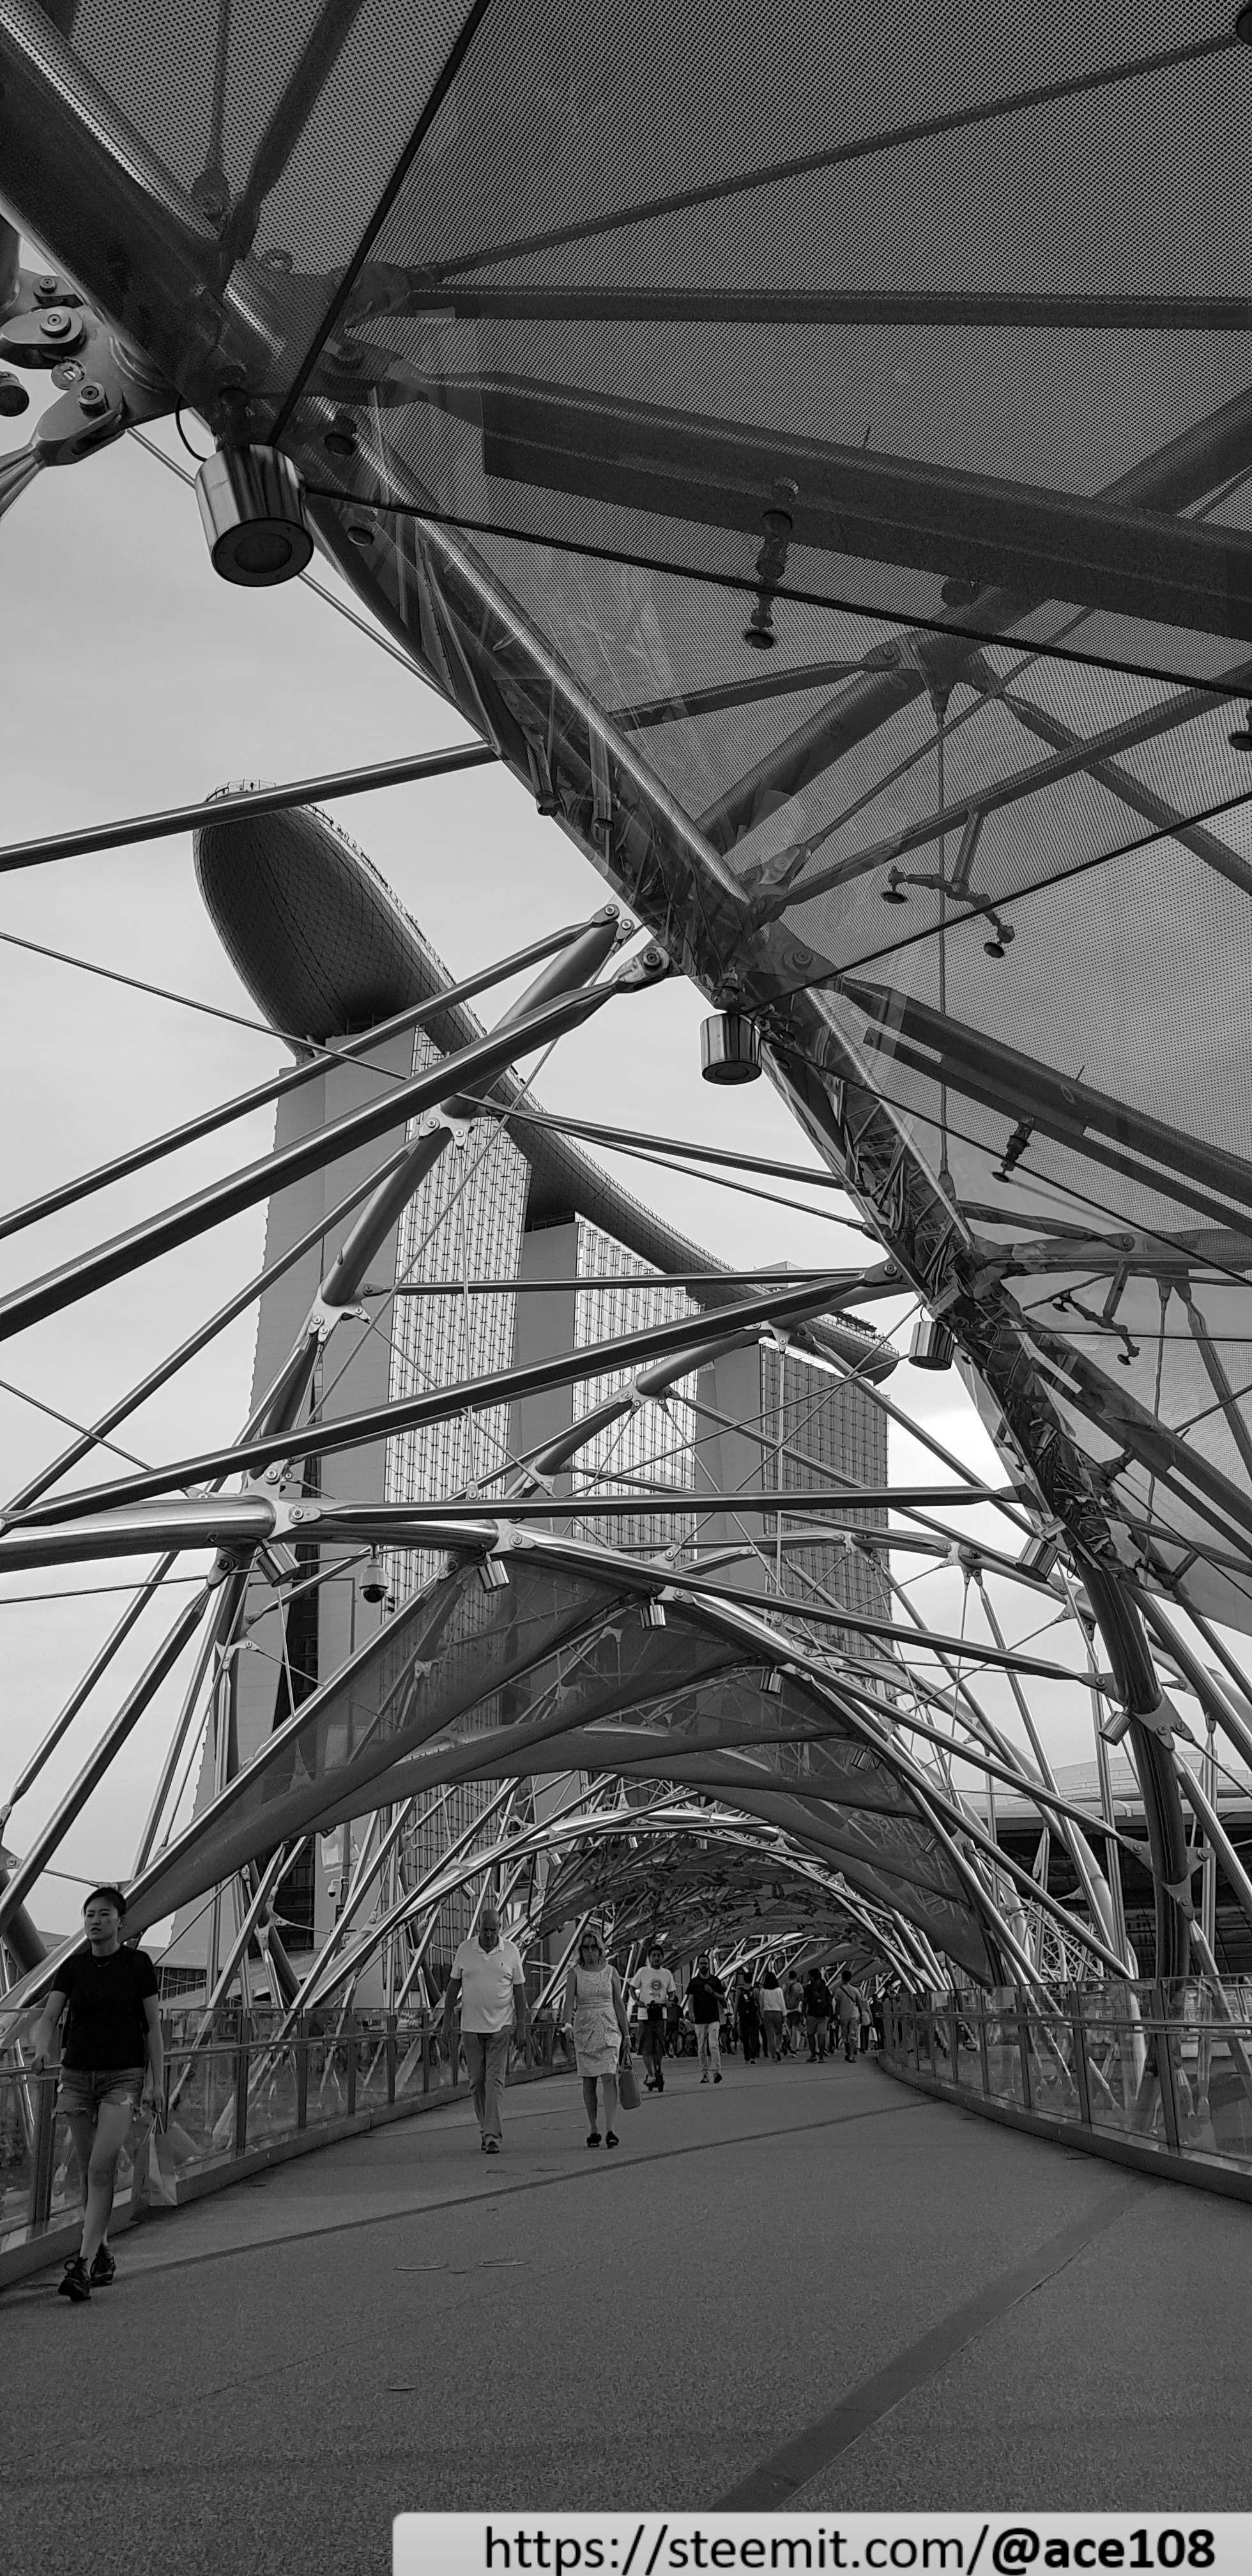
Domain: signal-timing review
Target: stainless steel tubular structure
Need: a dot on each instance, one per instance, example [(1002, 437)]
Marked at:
[(723, 1696)]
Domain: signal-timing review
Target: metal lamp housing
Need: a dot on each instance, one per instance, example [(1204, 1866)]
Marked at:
[(932, 1345), (252, 508), (730, 1049), (1039, 1555)]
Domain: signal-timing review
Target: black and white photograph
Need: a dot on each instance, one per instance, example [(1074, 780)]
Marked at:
[(625, 1287)]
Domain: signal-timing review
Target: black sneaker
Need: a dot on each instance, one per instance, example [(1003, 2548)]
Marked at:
[(102, 2270), (74, 2283)]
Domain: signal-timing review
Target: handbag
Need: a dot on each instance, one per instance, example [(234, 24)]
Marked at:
[(627, 2086), (162, 2180)]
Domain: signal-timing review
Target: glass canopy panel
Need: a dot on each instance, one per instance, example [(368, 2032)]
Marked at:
[(1065, 844)]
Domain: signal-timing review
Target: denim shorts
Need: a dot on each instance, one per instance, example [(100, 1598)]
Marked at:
[(84, 2089)]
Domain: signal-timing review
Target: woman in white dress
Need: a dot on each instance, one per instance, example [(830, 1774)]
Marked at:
[(594, 2007)]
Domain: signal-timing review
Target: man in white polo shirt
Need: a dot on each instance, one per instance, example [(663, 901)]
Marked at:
[(488, 1984)]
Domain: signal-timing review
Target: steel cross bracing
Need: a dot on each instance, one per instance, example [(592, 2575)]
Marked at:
[(109, 1539), (832, 1089), (473, 1753), (241, 1523), (217, 333)]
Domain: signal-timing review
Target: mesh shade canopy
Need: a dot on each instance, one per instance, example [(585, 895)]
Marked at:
[(556, 1671)]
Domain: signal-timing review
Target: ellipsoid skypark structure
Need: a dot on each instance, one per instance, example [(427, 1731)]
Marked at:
[(814, 476)]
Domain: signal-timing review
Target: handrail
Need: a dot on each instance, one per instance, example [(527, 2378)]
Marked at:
[(1152, 2075), (232, 2097)]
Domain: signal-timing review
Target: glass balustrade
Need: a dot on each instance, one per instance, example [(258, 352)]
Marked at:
[(243, 2082), (1169, 2067)]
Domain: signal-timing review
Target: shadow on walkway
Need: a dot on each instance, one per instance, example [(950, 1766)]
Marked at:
[(808, 2288)]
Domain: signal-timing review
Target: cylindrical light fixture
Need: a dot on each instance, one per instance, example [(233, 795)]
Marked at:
[(932, 1345), (252, 509), (730, 1049), (1040, 1554)]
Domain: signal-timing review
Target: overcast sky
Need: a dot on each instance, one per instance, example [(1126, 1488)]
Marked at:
[(135, 679)]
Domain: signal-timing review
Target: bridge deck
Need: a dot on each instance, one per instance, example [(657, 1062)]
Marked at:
[(807, 2288)]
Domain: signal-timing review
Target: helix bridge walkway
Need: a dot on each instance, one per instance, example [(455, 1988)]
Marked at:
[(826, 529), (811, 2288)]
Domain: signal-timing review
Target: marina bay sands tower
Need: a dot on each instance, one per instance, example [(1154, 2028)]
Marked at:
[(515, 1247)]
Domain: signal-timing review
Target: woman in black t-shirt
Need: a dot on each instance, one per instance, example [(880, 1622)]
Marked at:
[(112, 2035)]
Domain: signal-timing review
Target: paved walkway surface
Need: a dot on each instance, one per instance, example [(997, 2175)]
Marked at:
[(807, 2288)]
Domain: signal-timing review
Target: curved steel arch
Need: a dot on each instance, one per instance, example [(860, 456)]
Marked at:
[(571, 569), (578, 1660)]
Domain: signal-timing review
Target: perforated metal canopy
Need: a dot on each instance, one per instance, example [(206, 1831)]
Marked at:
[(560, 1669)]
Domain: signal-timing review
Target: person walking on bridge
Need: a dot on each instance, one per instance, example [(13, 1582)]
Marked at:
[(818, 2008), (113, 2033), (793, 1997), (773, 2010), (654, 1985), (848, 2007), (594, 2006), (674, 2026), (705, 1997), (749, 2022), (488, 1983)]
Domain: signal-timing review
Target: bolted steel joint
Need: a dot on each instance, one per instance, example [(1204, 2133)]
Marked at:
[(252, 509), (93, 399)]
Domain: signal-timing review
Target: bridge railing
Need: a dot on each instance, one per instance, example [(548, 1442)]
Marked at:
[(1145, 2073), (233, 2091)]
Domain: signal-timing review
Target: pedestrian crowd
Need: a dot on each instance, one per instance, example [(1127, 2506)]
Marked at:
[(765, 2011), (102, 2017), (764, 2014)]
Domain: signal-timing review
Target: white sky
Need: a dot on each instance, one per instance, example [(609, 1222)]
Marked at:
[(135, 679)]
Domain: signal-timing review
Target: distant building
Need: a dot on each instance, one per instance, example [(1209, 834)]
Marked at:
[(325, 949)]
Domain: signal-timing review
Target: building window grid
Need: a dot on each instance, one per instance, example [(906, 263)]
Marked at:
[(629, 1447), (833, 1426), (421, 1852), (445, 1236), (477, 1230)]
